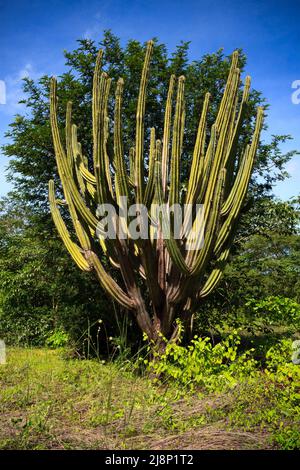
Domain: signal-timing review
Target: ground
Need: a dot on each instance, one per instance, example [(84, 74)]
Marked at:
[(48, 401)]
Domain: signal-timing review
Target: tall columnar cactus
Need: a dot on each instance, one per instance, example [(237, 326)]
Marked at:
[(176, 278)]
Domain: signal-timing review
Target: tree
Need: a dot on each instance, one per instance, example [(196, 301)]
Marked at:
[(41, 291), (265, 262)]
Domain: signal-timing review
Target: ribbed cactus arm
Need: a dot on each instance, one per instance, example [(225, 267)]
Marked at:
[(108, 284), (198, 156), (63, 166), (207, 163), (75, 251), (226, 98), (121, 180), (202, 254), (140, 116), (68, 162), (218, 160), (151, 179), (229, 223), (86, 260), (164, 219), (227, 206), (77, 159), (100, 138), (167, 133), (176, 144), (87, 175), (106, 138), (236, 125), (101, 86), (215, 276)]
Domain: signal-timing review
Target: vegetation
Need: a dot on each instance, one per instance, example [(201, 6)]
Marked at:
[(48, 402), (79, 372), (26, 225)]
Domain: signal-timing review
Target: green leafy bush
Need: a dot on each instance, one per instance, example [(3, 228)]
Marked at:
[(58, 339), (287, 438), (270, 400), (275, 310), (204, 365)]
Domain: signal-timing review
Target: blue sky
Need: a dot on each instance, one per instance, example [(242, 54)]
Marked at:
[(35, 33)]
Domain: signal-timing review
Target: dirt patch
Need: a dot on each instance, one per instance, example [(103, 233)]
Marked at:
[(213, 437)]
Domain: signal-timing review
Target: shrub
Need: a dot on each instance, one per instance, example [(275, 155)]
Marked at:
[(275, 310), (204, 365), (58, 339)]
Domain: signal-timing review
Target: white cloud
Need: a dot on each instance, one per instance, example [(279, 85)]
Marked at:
[(14, 89)]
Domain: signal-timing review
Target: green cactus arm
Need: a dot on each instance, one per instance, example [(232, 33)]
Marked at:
[(81, 232), (121, 180), (182, 129), (81, 162), (176, 144), (166, 134), (132, 166), (215, 276), (74, 153), (106, 137), (233, 139), (207, 163), (171, 244), (221, 128), (234, 133), (227, 91), (229, 223), (219, 153), (210, 157), (209, 237), (68, 133), (140, 116), (162, 254), (109, 285), (101, 85), (199, 258), (151, 180), (61, 202), (62, 164), (77, 148), (73, 249), (148, 258), (227, 206), (87, 175), (198, 155), (66, 168)]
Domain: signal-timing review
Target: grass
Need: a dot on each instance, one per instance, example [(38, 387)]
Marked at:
[(51, 402)]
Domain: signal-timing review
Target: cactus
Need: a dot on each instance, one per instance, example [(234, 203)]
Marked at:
[(176, 279)]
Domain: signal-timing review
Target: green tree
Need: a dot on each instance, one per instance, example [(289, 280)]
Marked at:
[(41, 291), (265, 261)]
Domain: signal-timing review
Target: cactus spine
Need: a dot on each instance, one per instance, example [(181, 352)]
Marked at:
[(176, 278)]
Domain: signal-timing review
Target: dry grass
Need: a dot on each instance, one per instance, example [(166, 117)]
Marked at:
[(47, 402)]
